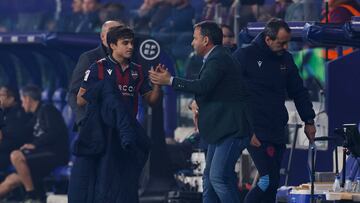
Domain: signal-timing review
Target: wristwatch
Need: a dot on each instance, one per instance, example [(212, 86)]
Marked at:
[(309, 122)]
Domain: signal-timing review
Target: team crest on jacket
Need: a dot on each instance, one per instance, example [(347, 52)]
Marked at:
[(134, 74)]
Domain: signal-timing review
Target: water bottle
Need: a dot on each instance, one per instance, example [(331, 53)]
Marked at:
[(336, 185), (348, 185), (357, 187)]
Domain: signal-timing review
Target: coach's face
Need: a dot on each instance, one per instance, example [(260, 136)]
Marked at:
[(199, 42)]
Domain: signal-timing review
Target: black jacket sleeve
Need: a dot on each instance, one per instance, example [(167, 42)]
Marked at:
[(76, 79), (240, 58), (209, 77), (299, 93)]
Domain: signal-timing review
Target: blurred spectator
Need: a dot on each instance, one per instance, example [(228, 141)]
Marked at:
[(303, 10), (112, 11), (198, 6), (48, 149), (247, 11), (90, 6), (341, 11), (279, 8), (147, 6), (209, 9), (180, 19), (217, 10), (4, 23), (13, 134), (274, 9), (70, 22), (228, 37), (151, 14), (90, 18)]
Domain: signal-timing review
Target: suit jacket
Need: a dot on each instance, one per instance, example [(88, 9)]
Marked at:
[(220, 95), (84, 62)]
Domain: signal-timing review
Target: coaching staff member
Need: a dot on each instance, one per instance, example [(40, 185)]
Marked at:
[(270, 74)]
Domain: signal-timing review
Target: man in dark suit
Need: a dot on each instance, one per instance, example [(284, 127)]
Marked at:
[(85, 60), (221, 99)]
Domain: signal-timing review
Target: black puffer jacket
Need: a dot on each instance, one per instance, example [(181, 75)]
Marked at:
[(270, 78)]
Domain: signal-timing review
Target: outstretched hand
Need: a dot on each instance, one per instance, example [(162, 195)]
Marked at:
[(160, 75), (310, 131)]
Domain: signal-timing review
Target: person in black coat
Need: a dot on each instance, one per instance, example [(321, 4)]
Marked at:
[(48, 149), (221, 98), (84, 62), (14, 135), (271, 75)]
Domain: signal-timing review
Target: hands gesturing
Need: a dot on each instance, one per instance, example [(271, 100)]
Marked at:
[(160, 75)]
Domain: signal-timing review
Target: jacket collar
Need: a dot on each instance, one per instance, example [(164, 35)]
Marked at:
[(208, 53), (118, 64)]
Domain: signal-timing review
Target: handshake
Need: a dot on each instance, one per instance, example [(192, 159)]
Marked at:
[(160, 75)]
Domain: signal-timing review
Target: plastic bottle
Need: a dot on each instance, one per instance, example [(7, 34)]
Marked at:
[(348, 185), (357, 187), (336, 185)]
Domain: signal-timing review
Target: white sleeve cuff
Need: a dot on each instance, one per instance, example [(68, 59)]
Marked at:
[(171, 80)]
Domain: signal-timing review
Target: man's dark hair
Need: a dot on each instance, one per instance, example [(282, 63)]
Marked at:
[(11, 92), (31, 91), (119, 32), (273, 26), (210, 30)]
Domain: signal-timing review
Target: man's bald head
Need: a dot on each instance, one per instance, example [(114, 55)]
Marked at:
[(105, 29)]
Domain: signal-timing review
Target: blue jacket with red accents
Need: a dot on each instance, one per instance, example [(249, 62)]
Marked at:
[(116, 143)]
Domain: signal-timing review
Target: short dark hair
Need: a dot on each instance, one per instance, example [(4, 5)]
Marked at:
[(31, 91), (273, 26), (119, 32), (211, 30), (11, 91)]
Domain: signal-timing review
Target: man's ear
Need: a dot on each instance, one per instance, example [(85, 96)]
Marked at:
[(206, 40), (112, 46), (268, 40)]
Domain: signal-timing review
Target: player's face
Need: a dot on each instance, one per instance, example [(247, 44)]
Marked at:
[(123, 48)]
